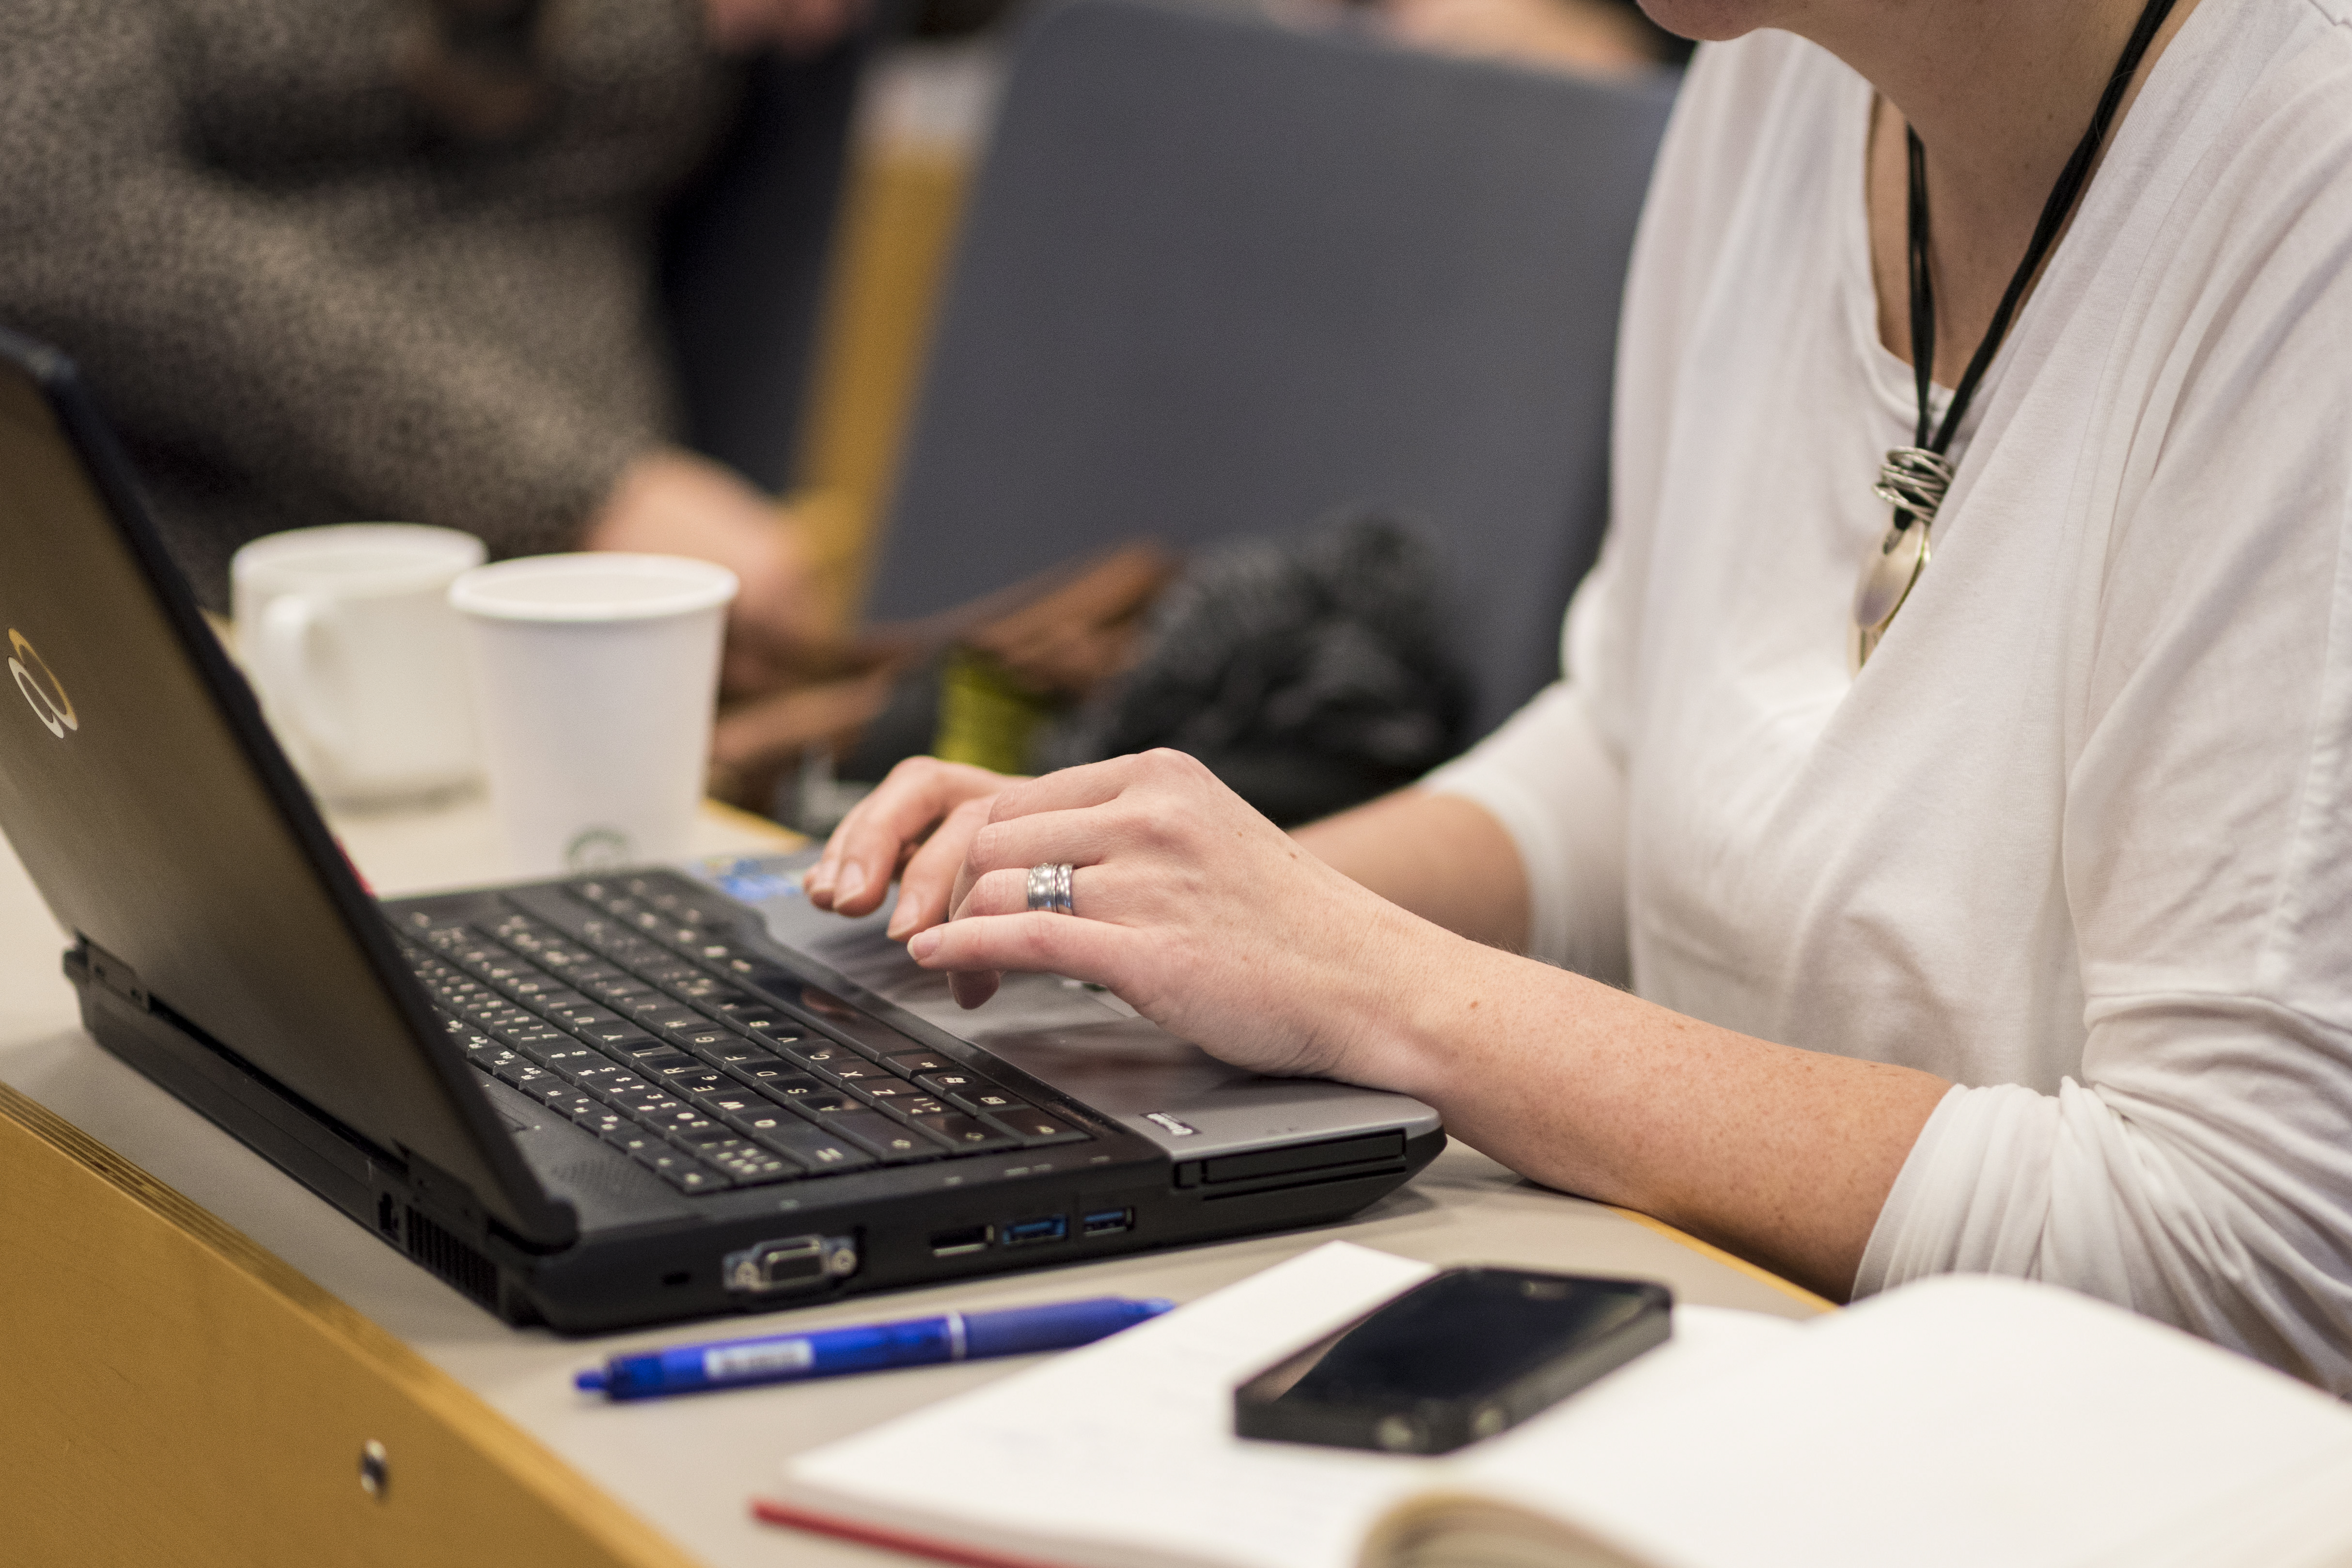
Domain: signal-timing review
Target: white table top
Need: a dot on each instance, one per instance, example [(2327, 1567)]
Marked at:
[(690, 1466)]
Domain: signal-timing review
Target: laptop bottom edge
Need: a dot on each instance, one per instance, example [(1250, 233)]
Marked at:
[(630, 1275)]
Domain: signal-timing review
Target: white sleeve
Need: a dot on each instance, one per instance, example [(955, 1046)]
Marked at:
[(2142, 1202), (2197, 1169), (1546, 776)]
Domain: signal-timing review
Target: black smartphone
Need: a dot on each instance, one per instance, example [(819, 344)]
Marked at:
[(1463, 1355)]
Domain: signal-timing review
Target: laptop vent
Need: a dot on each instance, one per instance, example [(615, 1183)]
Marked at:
[(453, 1261)]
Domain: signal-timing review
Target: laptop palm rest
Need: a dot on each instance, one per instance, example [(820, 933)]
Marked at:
[(1088, 1043)]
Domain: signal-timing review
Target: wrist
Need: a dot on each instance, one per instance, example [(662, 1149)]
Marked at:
[(1407, 980)]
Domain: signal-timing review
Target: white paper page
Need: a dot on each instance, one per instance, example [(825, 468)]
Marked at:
[(1123, 1453), (1951, 1423)]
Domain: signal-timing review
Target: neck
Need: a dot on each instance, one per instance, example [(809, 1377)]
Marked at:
[(2000, 92)]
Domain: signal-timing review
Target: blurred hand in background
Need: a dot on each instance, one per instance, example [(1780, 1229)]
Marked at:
[(671, 502), (1596, 38), (795, 26)]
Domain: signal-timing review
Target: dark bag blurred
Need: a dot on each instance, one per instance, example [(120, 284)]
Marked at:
[(1310, 675)]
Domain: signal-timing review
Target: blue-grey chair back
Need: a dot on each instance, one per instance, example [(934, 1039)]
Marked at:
[(1219, 277)]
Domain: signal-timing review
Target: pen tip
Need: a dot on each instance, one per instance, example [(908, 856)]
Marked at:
[(1155, 1305), (589, 1382)]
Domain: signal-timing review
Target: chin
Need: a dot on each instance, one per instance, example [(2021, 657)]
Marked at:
[(1712, 20)]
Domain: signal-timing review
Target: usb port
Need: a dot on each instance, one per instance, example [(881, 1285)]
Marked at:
[(1028, 1232), (955, 1243), (1109, 1222)]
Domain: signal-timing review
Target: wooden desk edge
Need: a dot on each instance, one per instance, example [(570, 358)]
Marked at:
[(1729, 1260), (485, 1464)]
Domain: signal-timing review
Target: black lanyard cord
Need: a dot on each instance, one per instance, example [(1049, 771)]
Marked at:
[(2063, 196)]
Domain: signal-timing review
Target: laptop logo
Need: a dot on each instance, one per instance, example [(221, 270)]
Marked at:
[(47, 694), (1170, 1123)]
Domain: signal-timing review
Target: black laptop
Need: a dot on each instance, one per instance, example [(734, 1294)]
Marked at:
[(644, 1095)]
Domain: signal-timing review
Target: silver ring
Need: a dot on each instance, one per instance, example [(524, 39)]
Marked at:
[(1049, 888)]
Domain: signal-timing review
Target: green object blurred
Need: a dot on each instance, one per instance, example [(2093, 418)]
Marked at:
[(986, 717)]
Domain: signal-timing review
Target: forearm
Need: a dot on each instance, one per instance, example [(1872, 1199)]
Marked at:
[(1444, 858), (1782, 1155), (1217, 926)]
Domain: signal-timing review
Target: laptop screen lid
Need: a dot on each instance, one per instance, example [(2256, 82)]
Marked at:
[(165, 828)]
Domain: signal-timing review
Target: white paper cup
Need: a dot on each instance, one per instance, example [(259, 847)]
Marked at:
[(595, 675), (347, 634)]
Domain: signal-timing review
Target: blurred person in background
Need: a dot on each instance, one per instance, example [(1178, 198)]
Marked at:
[(336, 260)]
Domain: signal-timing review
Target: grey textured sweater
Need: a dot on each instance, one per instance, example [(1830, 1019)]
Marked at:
[(302, 299)]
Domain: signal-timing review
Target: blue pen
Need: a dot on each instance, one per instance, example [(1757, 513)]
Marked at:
[(868, 1347)]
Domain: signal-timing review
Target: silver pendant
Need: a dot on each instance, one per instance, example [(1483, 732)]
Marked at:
[(1888, 575), (1913, 481)]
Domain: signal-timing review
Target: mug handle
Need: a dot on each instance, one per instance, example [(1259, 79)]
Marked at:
[(288, 625)]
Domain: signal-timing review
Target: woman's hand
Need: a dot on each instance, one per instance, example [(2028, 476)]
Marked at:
[(1196, 910), (922, 818)]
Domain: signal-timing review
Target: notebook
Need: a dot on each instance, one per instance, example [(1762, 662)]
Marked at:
[(1963, 1420)]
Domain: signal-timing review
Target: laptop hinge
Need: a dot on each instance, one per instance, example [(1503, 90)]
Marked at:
[(91, 963)]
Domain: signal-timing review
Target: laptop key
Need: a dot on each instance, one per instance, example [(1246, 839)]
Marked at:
[(964, 1088), (647, 1103), (760, 1119), (736, 1051), (680, 1171), (755, 1167), (825, 1056), (618, 1035), (814, 1147), (606, 1077), (1035, 1128), (886, 1138), (889, 1091), (653, 1059), (560, 1000), (771, 1080), (568, 1060), (816, 1099), (914, 1062), (696, 1080), (967, 1132)]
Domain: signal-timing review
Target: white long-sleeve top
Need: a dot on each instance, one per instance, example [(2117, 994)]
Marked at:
[(2079, 837)]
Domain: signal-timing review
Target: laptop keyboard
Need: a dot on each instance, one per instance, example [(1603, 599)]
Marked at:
[(643, 1029)]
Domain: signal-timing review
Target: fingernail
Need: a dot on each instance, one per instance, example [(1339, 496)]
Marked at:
[(852, 882), (925, 943)]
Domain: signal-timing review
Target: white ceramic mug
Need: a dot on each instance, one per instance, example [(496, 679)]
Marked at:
[(596, 675), (347, 634)]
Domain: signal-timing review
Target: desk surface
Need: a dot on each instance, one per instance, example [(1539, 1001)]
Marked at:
[(688, 1467)]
